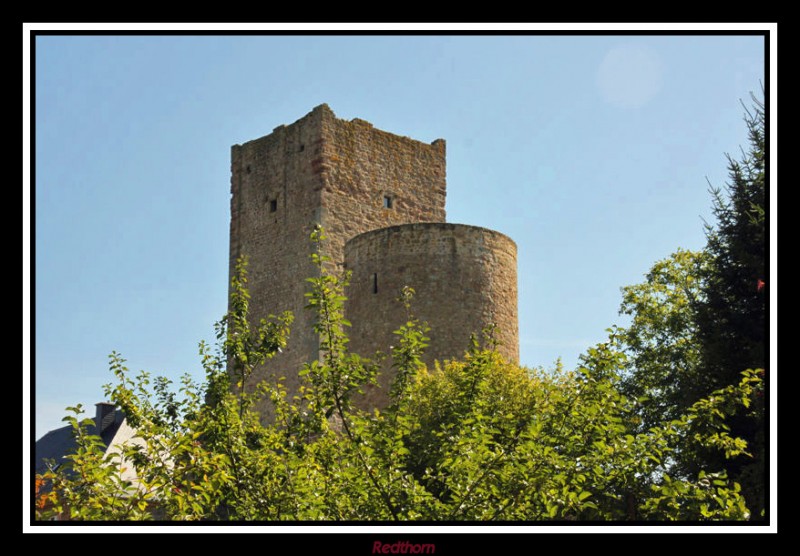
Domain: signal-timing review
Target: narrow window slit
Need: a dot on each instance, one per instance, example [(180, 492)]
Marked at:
[(375, 283)]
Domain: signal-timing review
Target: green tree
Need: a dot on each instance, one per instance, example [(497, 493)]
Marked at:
[(698, 321), (92, 483), (731, 315), (478, 439), (662, 368)]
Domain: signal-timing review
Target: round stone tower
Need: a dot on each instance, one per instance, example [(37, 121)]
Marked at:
[(465, 279)]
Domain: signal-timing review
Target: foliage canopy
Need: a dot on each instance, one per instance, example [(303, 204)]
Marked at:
[(478, 439)]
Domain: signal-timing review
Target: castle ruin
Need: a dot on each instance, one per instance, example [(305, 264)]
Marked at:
[(381, 199)]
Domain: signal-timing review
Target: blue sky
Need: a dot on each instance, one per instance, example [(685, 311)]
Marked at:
[(591, 152)]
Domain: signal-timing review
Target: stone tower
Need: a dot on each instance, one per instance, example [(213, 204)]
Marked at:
[(464, 278), (381, 199), (345, 175)]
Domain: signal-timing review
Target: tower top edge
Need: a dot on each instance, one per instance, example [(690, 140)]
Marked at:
[(323, 111), (436, 228)]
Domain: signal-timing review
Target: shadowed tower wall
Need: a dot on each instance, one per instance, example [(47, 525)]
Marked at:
[(348, 177)]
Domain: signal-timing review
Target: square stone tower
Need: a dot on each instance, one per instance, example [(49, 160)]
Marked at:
[(348, 177)]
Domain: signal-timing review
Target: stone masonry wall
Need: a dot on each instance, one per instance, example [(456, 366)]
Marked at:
[(465, 278), (276, 190), (363, 166), (323, 170)]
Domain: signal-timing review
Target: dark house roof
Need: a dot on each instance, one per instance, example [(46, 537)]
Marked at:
[(60, 442)]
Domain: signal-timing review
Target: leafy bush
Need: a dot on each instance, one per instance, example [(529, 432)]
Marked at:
[(478, 439)]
